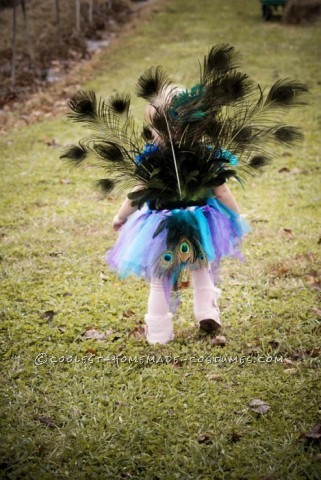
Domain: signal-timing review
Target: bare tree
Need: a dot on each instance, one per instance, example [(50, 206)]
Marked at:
[(78, 15), (90, 11), (27, 32), (14, 43), (59, 31)]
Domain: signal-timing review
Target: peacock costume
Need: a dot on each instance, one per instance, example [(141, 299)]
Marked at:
[(197, 139)]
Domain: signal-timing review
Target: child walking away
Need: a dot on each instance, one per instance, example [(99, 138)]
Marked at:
[(180, 215)]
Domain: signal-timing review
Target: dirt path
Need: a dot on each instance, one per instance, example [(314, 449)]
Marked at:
[(22, 107)]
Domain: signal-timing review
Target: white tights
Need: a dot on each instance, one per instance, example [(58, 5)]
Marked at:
[(159, 320)]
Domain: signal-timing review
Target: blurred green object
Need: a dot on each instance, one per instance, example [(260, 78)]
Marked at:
[(269, 6)]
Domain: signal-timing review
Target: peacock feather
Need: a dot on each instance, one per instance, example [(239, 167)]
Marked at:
[(224, 126)]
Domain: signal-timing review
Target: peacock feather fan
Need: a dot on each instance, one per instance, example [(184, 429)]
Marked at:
[(224, 126)]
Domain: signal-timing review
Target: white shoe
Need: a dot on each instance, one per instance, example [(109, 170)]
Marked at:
[(159, 328)]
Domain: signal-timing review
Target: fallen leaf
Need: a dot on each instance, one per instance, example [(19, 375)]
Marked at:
[(235, 437), (313, 280), (219, 341), (204, 439), (96, 334), (92, 351), (317, 311), (138, 331), (46, 421), (259, 406), (51, 142), (177, 364), (314, 353), (214, 377), (48, 315), (55, 254), (284, 170), (314, 434), (103, 276), (296, 171), (288, 361), (66, 181), (287, 232), (128, 313), (274, 343), (290, 371), (318, 457)]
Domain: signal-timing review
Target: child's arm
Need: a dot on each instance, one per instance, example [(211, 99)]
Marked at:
[(124, 212), (224, 195)]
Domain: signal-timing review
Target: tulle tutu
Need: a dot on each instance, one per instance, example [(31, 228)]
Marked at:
[(137, 251)]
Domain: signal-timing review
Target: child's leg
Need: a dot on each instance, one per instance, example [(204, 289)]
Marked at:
[(159, 320), (206, 309)]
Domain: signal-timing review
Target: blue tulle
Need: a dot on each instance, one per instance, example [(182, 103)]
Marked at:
[(137, 251)]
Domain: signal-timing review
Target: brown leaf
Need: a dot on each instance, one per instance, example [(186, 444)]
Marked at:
[(66, 181), (219, 341), (313, 279), (284, 170), (314, 434), (55, 254), (96, 334), (51, 142), (290, 371), (103, 276), (92, 351), (128, 313), (317, 311), (214, 377), (259, 406), (138, 331), (235, 437), (296, 171), (287, 232), (177, 364), (288, 361), (46, 421), (48, 315), (204, 439), (274, 343), (314, 353)]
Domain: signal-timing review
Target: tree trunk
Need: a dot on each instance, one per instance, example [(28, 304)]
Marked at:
[(90, 11), (78, 15), (27, 32), (13, 43), (59, 32)]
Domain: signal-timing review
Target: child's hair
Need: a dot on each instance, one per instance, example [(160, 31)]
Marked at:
[(162, 100)]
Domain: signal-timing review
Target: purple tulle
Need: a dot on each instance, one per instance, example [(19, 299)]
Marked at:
[(137, 251)]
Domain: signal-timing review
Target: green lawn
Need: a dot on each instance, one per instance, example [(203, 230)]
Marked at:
[(118, 408)]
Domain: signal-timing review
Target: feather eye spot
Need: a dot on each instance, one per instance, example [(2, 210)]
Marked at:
[(168, 257), (184, 247)]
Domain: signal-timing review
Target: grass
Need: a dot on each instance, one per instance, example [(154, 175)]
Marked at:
[(119, 408)]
